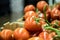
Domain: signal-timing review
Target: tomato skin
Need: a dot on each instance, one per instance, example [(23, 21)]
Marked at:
[(31, 25), (21, 33), (41, 4), (6, 34), (55, 14), (54, 22), (57, 6), (35, 38), (41, 15), (0, 34), (45, 36), (29, 8), (30, 14)]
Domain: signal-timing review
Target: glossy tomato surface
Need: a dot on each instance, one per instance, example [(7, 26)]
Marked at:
[(30, 14), (32, 25), (6, 34), (55, 23), (35, 38), (45, 36), (29, 8), (41, 4), (55, 14), (21, 33)]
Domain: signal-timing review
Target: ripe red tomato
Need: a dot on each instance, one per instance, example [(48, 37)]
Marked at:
[(6, 34), (41, 4), (55, 13), (21, 33), (29, 8), (45, 36), (33, 24), (30, 14), (35, 38)]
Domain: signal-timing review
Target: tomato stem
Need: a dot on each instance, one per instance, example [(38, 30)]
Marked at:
[(37, 10), (53, 29), (44, 11)]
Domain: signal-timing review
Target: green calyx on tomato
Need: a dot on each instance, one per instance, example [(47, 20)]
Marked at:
[(36, 20)]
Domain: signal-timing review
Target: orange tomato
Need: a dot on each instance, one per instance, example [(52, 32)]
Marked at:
[(0, 34), (45, 36), (32, 25), (55, 13), (29, 8), (21, 33), (41, 4), (55, 22), (30, 14), (6, 34), (35, 38), (57, 6)]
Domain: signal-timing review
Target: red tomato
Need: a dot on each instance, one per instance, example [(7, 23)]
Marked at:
[(29, 8), (41, 4), (30, 14), (32, 26), (21, 33), (6, 34), (56, 22), (45, 36), (55, 13), (35, 38)]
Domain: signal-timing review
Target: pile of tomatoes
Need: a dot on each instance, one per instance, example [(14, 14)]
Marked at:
[(34, 21)]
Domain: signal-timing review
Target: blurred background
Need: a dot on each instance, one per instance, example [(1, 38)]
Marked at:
[(11, 10)]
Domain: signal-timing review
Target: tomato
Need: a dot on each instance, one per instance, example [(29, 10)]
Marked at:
[(55, 13), (6, 34), (32, 25), (29, 8), (35, 38), (52, 34), (21, 33), (57, 6), (30, 14), (41, 4), (55, 22), (0, 34), (41, 15), (45, 36)]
